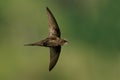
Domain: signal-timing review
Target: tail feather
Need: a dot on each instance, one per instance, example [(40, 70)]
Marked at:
[(31, 44)]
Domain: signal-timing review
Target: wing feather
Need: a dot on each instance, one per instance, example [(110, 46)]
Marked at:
[(54, 30), (54, 55)]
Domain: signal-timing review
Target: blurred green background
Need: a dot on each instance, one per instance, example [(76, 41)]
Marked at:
[(92, 28)]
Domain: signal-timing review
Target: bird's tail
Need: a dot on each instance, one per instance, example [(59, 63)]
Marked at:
[(28, 44), (32, 44)]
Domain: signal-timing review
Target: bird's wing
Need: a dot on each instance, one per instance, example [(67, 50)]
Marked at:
[(54, 55), (54, 30)]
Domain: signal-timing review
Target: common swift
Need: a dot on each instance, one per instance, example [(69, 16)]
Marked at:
[(53, 41)]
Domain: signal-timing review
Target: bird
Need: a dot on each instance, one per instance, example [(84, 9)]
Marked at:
[(53, 41)]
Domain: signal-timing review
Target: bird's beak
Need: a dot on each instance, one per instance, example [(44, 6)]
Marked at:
[(66, 42)]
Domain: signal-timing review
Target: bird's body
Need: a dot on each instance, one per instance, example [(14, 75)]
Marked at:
[(49, 42), (53, 41)]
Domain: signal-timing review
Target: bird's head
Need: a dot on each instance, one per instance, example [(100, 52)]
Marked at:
[(63, 41)]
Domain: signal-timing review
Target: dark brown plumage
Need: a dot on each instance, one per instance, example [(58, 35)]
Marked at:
[(53, 41)]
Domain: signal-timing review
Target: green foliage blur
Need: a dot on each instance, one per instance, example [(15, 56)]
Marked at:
[(92, 28)]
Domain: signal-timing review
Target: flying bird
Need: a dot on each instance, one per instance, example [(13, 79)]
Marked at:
[(53, 41)]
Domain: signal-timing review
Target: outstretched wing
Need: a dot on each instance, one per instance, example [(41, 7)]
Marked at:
[(54, 55), (54, 30)]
